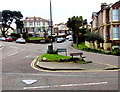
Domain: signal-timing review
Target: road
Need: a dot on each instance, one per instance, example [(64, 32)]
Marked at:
[(16, 60)]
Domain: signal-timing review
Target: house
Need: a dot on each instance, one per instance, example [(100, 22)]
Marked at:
[(107, 23), (36, 26), (8, 32), (61, 29)]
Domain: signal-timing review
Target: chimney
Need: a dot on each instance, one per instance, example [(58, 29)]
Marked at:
[(103, 5)]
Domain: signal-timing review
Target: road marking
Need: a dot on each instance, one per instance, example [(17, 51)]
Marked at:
[(22, 50), (13, 54), (67, 85), (16, 53), (29, 81), (27, 56)]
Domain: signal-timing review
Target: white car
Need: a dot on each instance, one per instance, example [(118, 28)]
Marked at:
[(69, 36), (20, 40), (70, 39), (60, 40), (2, 38)]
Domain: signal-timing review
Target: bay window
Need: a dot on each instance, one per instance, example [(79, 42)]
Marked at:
[(116, 33), (115, 15)]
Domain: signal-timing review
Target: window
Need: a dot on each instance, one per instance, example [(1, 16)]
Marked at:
[(31, 24), (115, 33), (38, 24), (115, 14)]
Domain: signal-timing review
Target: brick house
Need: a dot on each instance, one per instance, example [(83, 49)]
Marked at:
[(36, 26), (107, 23)]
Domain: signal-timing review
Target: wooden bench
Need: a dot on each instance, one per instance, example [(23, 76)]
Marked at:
[(77, 54), (81, 56), (62, 50)]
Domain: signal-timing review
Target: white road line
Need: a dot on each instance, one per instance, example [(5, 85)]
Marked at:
[(13, 54), (22, 50), (67, 85), (27, 56)]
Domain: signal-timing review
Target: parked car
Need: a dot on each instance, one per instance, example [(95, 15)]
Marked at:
[(42, 41), (9, 39), (2, 38), (60, 40), (70, 39), (20, 40), (69, 36)]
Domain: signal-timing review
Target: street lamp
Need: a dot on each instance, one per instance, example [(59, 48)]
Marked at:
[(50, 47)]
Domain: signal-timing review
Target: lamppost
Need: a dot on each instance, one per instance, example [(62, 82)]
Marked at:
[(50, 47)]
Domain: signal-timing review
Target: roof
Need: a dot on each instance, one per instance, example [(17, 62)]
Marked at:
[(116, 4), (36, 19)]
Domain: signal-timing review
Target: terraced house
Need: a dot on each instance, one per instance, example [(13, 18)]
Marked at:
[(36, 26), (107, 23)]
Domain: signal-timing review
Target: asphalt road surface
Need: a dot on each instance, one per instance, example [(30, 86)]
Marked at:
[(16, 60)]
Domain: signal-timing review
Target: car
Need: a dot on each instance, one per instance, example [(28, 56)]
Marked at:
[(42, 40), (60, 40), (9, 39), (69, 36), (20, 40), (2, 38), (70, 39)]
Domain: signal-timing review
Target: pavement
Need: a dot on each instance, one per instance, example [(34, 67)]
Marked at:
[(57, 66)]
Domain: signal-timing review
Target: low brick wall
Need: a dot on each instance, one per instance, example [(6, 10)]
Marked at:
[(91, 45), (105, 46)]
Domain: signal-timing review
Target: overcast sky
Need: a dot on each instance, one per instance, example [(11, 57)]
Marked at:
[(61, 9)]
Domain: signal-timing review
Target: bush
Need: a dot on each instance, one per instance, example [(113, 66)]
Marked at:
[(15, 35)]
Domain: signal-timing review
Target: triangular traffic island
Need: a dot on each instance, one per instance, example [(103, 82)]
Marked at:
[(29, 81)]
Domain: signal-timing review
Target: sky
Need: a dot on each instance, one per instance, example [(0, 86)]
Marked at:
[(61, 9)]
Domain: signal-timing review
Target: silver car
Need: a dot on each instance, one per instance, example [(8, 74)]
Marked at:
[(2, 38), (20, 40)]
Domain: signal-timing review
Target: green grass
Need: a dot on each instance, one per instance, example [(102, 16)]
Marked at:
[(54, 57), (36, 38), (81, 46)]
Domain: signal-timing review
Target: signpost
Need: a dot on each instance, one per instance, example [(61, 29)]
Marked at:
[(62, 50)]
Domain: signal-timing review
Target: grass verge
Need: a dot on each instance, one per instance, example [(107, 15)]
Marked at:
[(81, 46), (60, 58), (54, 57), (36, 38)]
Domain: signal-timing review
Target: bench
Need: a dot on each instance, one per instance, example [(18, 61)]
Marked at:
[(62, 50), (81, 56), (77, 54)]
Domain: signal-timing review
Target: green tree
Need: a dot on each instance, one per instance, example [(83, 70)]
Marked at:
[(7, 19), (19, 25), (74, 25), (84, 23)]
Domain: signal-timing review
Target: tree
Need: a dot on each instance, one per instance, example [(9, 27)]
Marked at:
[(19, 25), (7, 19), (74, 25)]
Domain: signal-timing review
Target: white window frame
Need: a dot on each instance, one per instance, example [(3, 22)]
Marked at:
[(115, 15), (115, 33)]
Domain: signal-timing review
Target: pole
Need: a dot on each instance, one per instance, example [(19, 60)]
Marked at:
[(34, 26), (51, 24)]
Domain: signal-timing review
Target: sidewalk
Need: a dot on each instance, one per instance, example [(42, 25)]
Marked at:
[(72, 66)]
